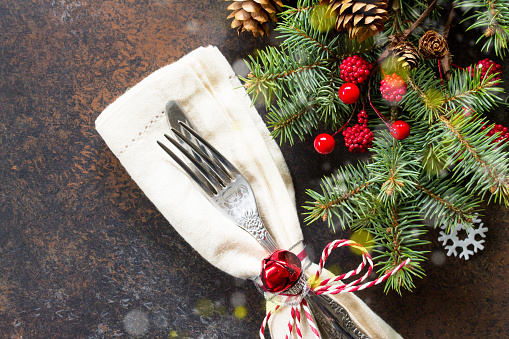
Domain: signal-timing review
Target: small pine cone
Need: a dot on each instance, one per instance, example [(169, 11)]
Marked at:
[(433, 45), (361, 18), (490, 31), (253, 15), (406, 54)]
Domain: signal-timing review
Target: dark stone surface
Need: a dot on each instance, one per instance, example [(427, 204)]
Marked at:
[(84, 254)]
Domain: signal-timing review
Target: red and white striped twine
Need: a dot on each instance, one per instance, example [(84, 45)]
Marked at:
[(327, 286)]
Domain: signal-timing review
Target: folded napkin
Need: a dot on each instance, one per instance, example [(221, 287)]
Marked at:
[(206, 86)]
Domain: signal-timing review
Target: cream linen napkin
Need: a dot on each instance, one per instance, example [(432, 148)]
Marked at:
[(207, 88)]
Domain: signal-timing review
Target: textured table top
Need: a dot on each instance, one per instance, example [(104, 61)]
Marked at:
[(84, 254)]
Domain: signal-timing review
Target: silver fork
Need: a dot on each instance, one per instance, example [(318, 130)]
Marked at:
[(229, 191), (225, 186)]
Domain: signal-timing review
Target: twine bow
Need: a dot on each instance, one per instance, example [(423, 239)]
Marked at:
[(330, 286)]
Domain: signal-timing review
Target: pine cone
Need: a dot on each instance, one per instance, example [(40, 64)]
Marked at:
[(361, 18), (406, 54), (253, 15), (433, 46), (490, 31)]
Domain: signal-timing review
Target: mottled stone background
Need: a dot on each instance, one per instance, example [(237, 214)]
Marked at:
[(84, 254)]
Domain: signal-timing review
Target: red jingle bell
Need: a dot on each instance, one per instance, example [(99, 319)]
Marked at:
[(280, 271)]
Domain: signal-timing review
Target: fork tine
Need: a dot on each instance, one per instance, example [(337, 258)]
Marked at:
[(223, 161), (219, 172), (210, 176), (204, 184)]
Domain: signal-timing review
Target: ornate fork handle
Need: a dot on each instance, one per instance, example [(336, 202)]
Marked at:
[(238, 203), (252, 223)]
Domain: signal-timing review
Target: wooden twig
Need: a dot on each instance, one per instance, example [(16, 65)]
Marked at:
[(448, 24), (419, 20), (447, 59)]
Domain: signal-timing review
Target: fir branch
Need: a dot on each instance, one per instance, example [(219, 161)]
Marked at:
[(425, 96), (394, 169), (274, 69), (300, 112), (298, 36), (404, 182), (342, 195), (447, 204), (302, 7), (398, 233), (493, 17), (331, 110), (294, 116), (427, 99), (471, 91), (301, 32), (433, 160), (475, 155)]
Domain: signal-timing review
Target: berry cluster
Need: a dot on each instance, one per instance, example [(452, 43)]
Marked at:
[(504, 132), (393, 88), (359, 137), (355, 69), (484, 65)]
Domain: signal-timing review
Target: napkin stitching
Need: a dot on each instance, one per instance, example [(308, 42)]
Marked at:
[(140, 134)]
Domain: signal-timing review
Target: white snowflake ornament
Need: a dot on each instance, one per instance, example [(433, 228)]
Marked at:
[(463, 244)]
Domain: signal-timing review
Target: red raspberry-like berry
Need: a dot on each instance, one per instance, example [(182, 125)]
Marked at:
[(358, 138), (393, 88), (355, 69), (324, 143), (484, 66), (504, 132)]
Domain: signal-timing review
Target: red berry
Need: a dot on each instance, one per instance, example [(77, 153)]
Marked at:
[(349, 93), (324, 143), (400, 129), (362, 118), (354, 69), (393, 88)]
